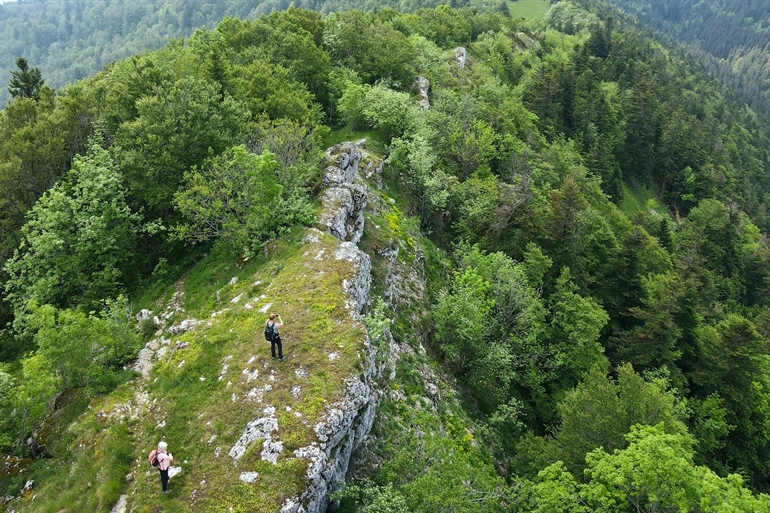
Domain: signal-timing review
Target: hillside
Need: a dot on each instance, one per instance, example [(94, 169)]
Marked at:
[(546, 288), (732, 39), (248, 432), (73, 39)]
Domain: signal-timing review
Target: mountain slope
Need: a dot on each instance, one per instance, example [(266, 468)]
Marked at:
[(569, 270), (248, 433), (74, 39), (732, 39)]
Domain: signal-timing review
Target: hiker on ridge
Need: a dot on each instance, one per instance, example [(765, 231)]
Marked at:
[(165, 460), (271, 334)]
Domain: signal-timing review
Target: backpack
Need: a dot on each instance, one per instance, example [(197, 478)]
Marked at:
[(269, 331), (153, 459)]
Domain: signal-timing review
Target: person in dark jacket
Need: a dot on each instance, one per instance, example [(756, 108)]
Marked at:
[(274, 321)]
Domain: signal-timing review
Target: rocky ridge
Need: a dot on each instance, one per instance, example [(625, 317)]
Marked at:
[(346, 423)]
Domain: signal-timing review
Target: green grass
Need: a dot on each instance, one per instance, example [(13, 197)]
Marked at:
[(374, 140), (639, 198), (529, 9)]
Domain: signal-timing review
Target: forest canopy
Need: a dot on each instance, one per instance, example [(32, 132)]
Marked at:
[(732, 39), (73, 39)]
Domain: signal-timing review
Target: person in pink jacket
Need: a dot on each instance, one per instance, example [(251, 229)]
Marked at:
[(165, 460)]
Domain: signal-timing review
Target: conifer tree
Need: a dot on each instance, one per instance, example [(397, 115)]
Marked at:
[(26, 82)]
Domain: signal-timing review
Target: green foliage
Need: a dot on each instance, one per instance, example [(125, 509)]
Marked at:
[(77, 240), (446, 27), (378, 328), (350, 106), (37, 142), (390, 111), (491, 326), (233, 197), (25, 82), (654, 473), (33, 396), (369, 46), (177, 127), (523, 156), (565, 17), (577, 323), (430, 188), (433, 461), (83, 350), (732, 365), (370, 498), (296, 146), (739, 60), (269, 90), (290, 41), (598, 413)]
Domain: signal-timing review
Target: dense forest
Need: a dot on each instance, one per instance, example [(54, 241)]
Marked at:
[(72, 39), (594, 213), (731, 38)]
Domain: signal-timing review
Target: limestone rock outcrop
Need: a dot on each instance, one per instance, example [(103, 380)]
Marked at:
[(343, 200), (345, 423), (422, 84), (460, 56), (343, 214)]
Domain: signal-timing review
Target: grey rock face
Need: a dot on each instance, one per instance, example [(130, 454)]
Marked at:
[(343, 428), (343, 213), (185, 325), (121, 505), (343, 201), (341, 164), (422, 84), (346, 423), (261, 428), (525, 41), (460, 56), (357, 288)]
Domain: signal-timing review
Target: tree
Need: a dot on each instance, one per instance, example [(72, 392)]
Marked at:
[(26, 82), (77, 240), (577, 322), (38, 140), (491, 326), (733, 365), (83, 349), (598, 413), (369, 46), (652, 343), (654, 473), (70, 341), (33, 396), (177, 127), (296, 146), (391, 112), (235, 197)]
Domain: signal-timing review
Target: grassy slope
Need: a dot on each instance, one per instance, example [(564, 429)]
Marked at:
[(529, 9), (198, 411), (639, 198)]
